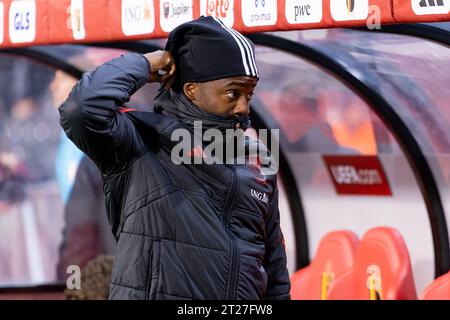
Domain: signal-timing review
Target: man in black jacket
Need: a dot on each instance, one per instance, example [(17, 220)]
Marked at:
[(184, 230)]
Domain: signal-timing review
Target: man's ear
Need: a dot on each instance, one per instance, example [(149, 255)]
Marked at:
[(189, 89)]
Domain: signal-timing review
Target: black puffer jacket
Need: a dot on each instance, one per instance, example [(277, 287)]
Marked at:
[(184, 231)]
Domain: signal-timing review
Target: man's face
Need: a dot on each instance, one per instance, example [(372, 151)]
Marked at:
[(229, 96)]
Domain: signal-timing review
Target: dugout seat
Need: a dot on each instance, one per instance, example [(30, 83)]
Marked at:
[(382, 270), (334, 256)]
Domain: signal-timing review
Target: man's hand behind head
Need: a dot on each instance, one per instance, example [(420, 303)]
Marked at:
[(162, 67)]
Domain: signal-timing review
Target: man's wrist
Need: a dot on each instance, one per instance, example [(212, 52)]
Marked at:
[(147, 59)]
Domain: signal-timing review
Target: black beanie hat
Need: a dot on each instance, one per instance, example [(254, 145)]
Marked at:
[(205, 49)]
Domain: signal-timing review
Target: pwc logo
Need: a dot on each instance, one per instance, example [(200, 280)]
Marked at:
[(175, 12), (138, 17), (22, 21), (347, 10), (2, 19), (304, 11), (222, 9), (259, 13), (421, 7)]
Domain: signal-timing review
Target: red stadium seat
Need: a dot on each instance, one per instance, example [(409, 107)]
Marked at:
[(439, 289), (382, 270), (334, 256)]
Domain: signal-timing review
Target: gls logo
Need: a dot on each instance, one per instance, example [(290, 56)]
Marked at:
[(1, 22), (303, 11), (346, 10), (421, 7), (138, 17), (222, 9), (260, 196), (22, 21)]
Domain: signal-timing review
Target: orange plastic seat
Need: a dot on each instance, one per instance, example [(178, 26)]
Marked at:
[(439, 289), (334, 256), (382, 270)]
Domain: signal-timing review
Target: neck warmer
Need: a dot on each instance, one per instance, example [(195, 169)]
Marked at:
[(177, 105)]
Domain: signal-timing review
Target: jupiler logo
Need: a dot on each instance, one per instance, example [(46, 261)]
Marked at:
[(166, 9), (174, 13), (177, 8)]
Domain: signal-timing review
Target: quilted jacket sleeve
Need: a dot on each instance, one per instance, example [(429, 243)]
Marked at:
[(278, 287), (91, 115)]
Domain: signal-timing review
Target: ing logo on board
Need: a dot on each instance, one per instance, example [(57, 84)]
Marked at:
[(138, 17)]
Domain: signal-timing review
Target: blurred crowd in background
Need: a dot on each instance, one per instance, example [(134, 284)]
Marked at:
[(52, 211)]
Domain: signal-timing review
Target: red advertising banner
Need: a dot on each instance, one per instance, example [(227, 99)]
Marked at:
[(36, 22), (357, 175)]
